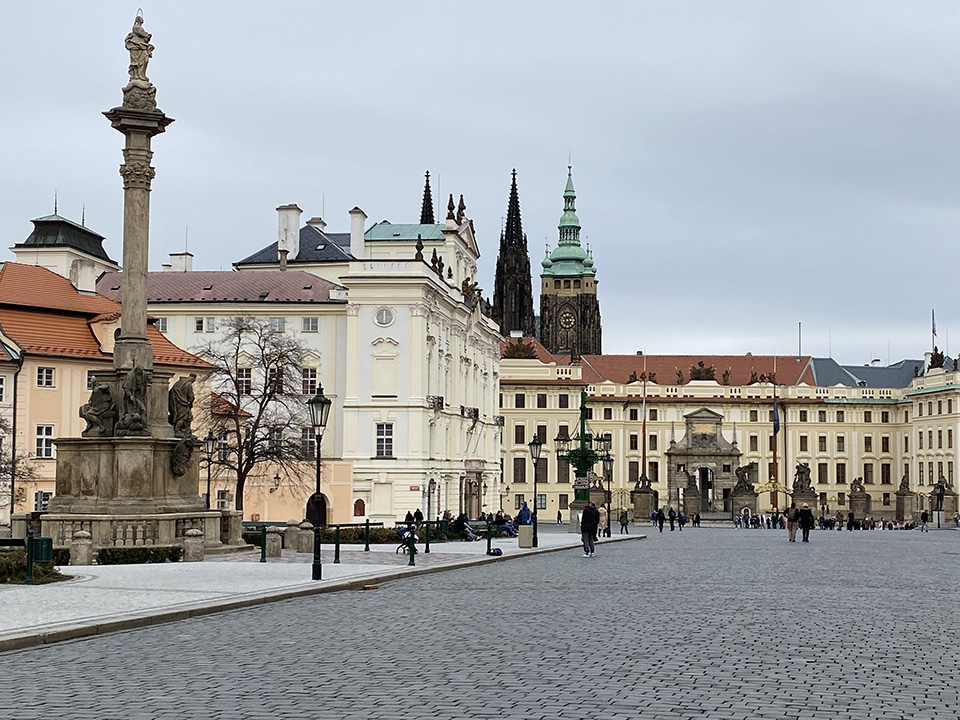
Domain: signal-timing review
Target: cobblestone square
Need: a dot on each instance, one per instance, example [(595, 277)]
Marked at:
[(705, 623)]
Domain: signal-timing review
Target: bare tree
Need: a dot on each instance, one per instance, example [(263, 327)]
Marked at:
[(261, 414)]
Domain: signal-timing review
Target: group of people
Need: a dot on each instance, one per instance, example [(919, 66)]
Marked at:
[(661, 517)]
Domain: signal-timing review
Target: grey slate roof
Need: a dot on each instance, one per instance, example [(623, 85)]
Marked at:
[(316, 246), (56, 230), (227, 286), (827, 372)]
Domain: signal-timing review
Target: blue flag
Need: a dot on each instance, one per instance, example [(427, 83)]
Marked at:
[(776, 417)]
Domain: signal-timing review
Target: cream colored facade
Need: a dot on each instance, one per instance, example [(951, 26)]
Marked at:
[(843, 433)]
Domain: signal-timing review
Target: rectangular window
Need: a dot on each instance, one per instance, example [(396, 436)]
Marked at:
[(841, 498), (634, 441), (223, 445), (754, 416), (754, 443), (634, 414), (939, 471), (939, 439), (275, 440), (198, 324), (803, 443), (930, 408), (906, 443), (933, 479), (563, 401), (652, 442), (542, 434), (920, 440), (803, 416), (840, 416), (919, 473), (310, 325), (41, 501), (564, 501), (161, 324), (885, 474), (519, 469), (45, 377), (939, 407), (541, 471), (91, 381), (822, 477), (275, 381), (885, 416), (822, 443), (867, 416), (278, 324), (308, 381), (652, 412), (519, 434), (541, 400), (949, 430), (385, 440), (841, 473), (44, 441), (885, 444), (868, 444), (841, 444), (633, 471), (589, 413), (519, 400), (210, 325), (930, 439), (563, 471), (949, 472), (518, 501), (308, 443), (563, 431), (949, 407), (244, 381), (886, 498), (653, 471), (821, 415)]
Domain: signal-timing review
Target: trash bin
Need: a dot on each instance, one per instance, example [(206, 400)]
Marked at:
[(525, 533)]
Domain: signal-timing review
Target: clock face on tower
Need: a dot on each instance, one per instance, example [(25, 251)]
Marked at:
[(567, 320)]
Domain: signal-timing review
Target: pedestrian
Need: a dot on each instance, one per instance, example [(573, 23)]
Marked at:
[(850, 518), (653, 518), (602, 528), (681, 520), (589, 524), (661, 518), (418, 517), (624, 521), (956, 520), (924, 517), (806, 522), (793, 517), (559, 517), (525, 516), (408, 518), (672, 515)]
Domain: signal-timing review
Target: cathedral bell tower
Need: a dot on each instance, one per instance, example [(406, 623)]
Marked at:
[(513, 288), (569, 309)]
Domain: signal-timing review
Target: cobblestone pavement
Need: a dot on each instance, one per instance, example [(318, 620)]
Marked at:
[(705, 623)]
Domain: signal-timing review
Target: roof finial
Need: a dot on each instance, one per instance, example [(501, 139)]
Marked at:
[(83, 215), (461, 210), (569, 163), (450, 208), (426, 211), (54, 202)]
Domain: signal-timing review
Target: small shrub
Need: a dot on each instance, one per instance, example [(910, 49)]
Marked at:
[(139, 555), (13, 568)]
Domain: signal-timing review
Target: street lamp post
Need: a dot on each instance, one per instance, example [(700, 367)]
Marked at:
[(319, 406), (535, 447), (209, 446), (608, 471)]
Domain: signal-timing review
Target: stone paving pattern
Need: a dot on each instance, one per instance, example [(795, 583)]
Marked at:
[(705, 623)]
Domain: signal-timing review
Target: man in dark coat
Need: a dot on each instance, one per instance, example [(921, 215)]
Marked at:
[(589, 523), (806, 522)]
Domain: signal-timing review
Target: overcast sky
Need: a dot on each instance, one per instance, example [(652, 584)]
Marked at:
[(741, 167)]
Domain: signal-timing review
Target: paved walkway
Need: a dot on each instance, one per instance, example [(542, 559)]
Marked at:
[(120, 597), (706, 623)]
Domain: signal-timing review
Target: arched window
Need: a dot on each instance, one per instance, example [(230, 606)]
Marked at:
[(359, 508)]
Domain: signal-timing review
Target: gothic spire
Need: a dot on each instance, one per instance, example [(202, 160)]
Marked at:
[(512, 305), (426, 212), (513, 231)]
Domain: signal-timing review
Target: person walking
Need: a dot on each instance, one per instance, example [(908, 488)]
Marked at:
[(602, 529), (793, 517), (661, 518), (672, 516), (924, 517), (850, 518), (624, 521), (806, 522), (589, 524), (559, 517), (681, 520)]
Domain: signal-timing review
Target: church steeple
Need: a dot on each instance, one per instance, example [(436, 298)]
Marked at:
[(426, 211), (513, 288)]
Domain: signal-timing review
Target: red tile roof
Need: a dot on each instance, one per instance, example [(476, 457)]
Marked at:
[(790, 369), (543, 355), (262, 286), (43, 313)]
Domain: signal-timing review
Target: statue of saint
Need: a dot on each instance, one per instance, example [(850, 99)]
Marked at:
[(100, 412), (180, 406), (801, 479), (138, 44), (133, 422)]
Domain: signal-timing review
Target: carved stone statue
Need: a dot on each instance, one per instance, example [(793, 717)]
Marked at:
[(133, 420), (643, 482), (726, 377), (936, 359), (691, 481), (633, 377), (753, 377), (138, 44), (679, 377), (856, 487), (181, 455), (702, 372), (801, 479), (100, 412), (180, 406), (904, 484), (743, 478)]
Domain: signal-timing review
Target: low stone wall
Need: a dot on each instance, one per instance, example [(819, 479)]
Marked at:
[(130, 530)]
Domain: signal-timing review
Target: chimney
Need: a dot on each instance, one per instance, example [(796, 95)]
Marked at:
[(357, 216), (180, 262), (83, 275), (288, 231), (317, 222)]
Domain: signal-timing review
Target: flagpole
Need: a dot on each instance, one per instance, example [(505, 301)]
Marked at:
[(776, 431)]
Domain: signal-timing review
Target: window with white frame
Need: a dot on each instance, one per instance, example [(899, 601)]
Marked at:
[(309, 381), (205, 324), (275, 440), (275, 380), (91, 379), (3, 389), (223, 445), (278, 324), (308, 443), (162, 324), (44, 441), (311, 325), (45, 377), (244, 381), (384, 439)]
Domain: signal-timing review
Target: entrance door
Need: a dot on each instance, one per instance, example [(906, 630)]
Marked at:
[(705, 478)]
